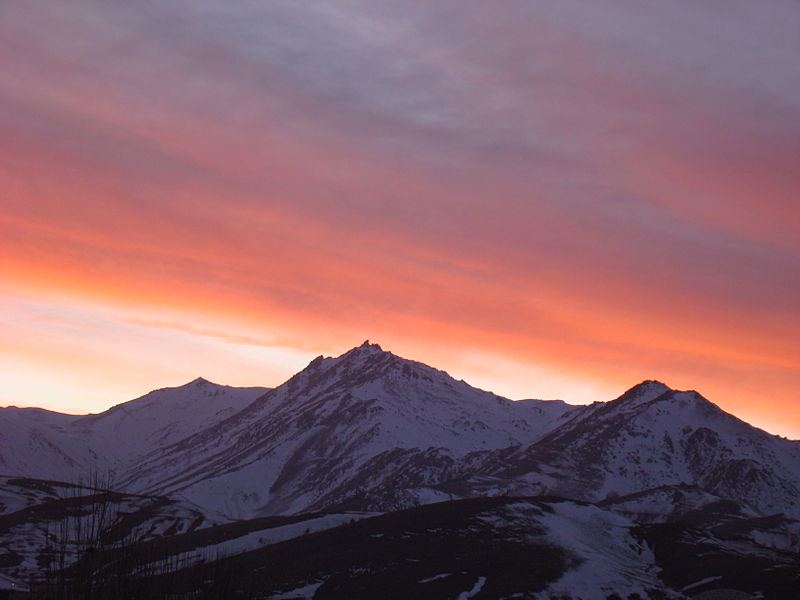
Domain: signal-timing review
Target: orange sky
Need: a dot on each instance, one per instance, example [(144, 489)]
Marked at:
[(557, 200)]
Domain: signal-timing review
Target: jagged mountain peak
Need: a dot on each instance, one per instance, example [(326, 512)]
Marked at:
[(358, 354), (655, 404), (368, 364), (371, 353), (651, 394), (642, 393), (364, 355), (339, 426), (367, 347), (653, 435), (649, 386)]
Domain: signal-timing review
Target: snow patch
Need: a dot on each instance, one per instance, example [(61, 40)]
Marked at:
[(435, 577), (607, 558), (704, 581), (306, 592), (474, 591)]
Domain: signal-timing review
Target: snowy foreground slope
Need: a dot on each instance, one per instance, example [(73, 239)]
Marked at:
[(493, 547), (652, 477)]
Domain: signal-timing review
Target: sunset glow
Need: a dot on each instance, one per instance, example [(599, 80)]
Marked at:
[(552, 199)]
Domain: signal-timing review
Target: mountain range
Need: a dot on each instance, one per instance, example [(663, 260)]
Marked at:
[(368, 439)]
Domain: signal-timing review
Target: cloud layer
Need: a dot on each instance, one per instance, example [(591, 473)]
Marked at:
[(563, 198)]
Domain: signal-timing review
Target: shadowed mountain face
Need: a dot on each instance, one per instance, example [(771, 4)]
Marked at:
[(370, 432)]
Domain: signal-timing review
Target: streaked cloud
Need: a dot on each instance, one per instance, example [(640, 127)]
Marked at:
[(602, 191)]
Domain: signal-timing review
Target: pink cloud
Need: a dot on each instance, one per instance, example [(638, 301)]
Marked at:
[(606, 191)]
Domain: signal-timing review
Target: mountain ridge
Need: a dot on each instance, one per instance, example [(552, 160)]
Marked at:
[(254, 471), (365, 398), (396, 432)]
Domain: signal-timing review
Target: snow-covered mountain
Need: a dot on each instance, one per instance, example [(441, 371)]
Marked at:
[(653, 436), (49, 445), (372, 431), (369, 430), (652, 475), (125, 432), (33, 443)]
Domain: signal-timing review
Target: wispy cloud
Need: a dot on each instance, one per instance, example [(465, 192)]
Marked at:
[(606, 189)]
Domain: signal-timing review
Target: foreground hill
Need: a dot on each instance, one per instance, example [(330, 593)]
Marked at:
[(503, 547)]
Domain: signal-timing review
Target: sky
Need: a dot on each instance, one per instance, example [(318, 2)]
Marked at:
[(546, 199)]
